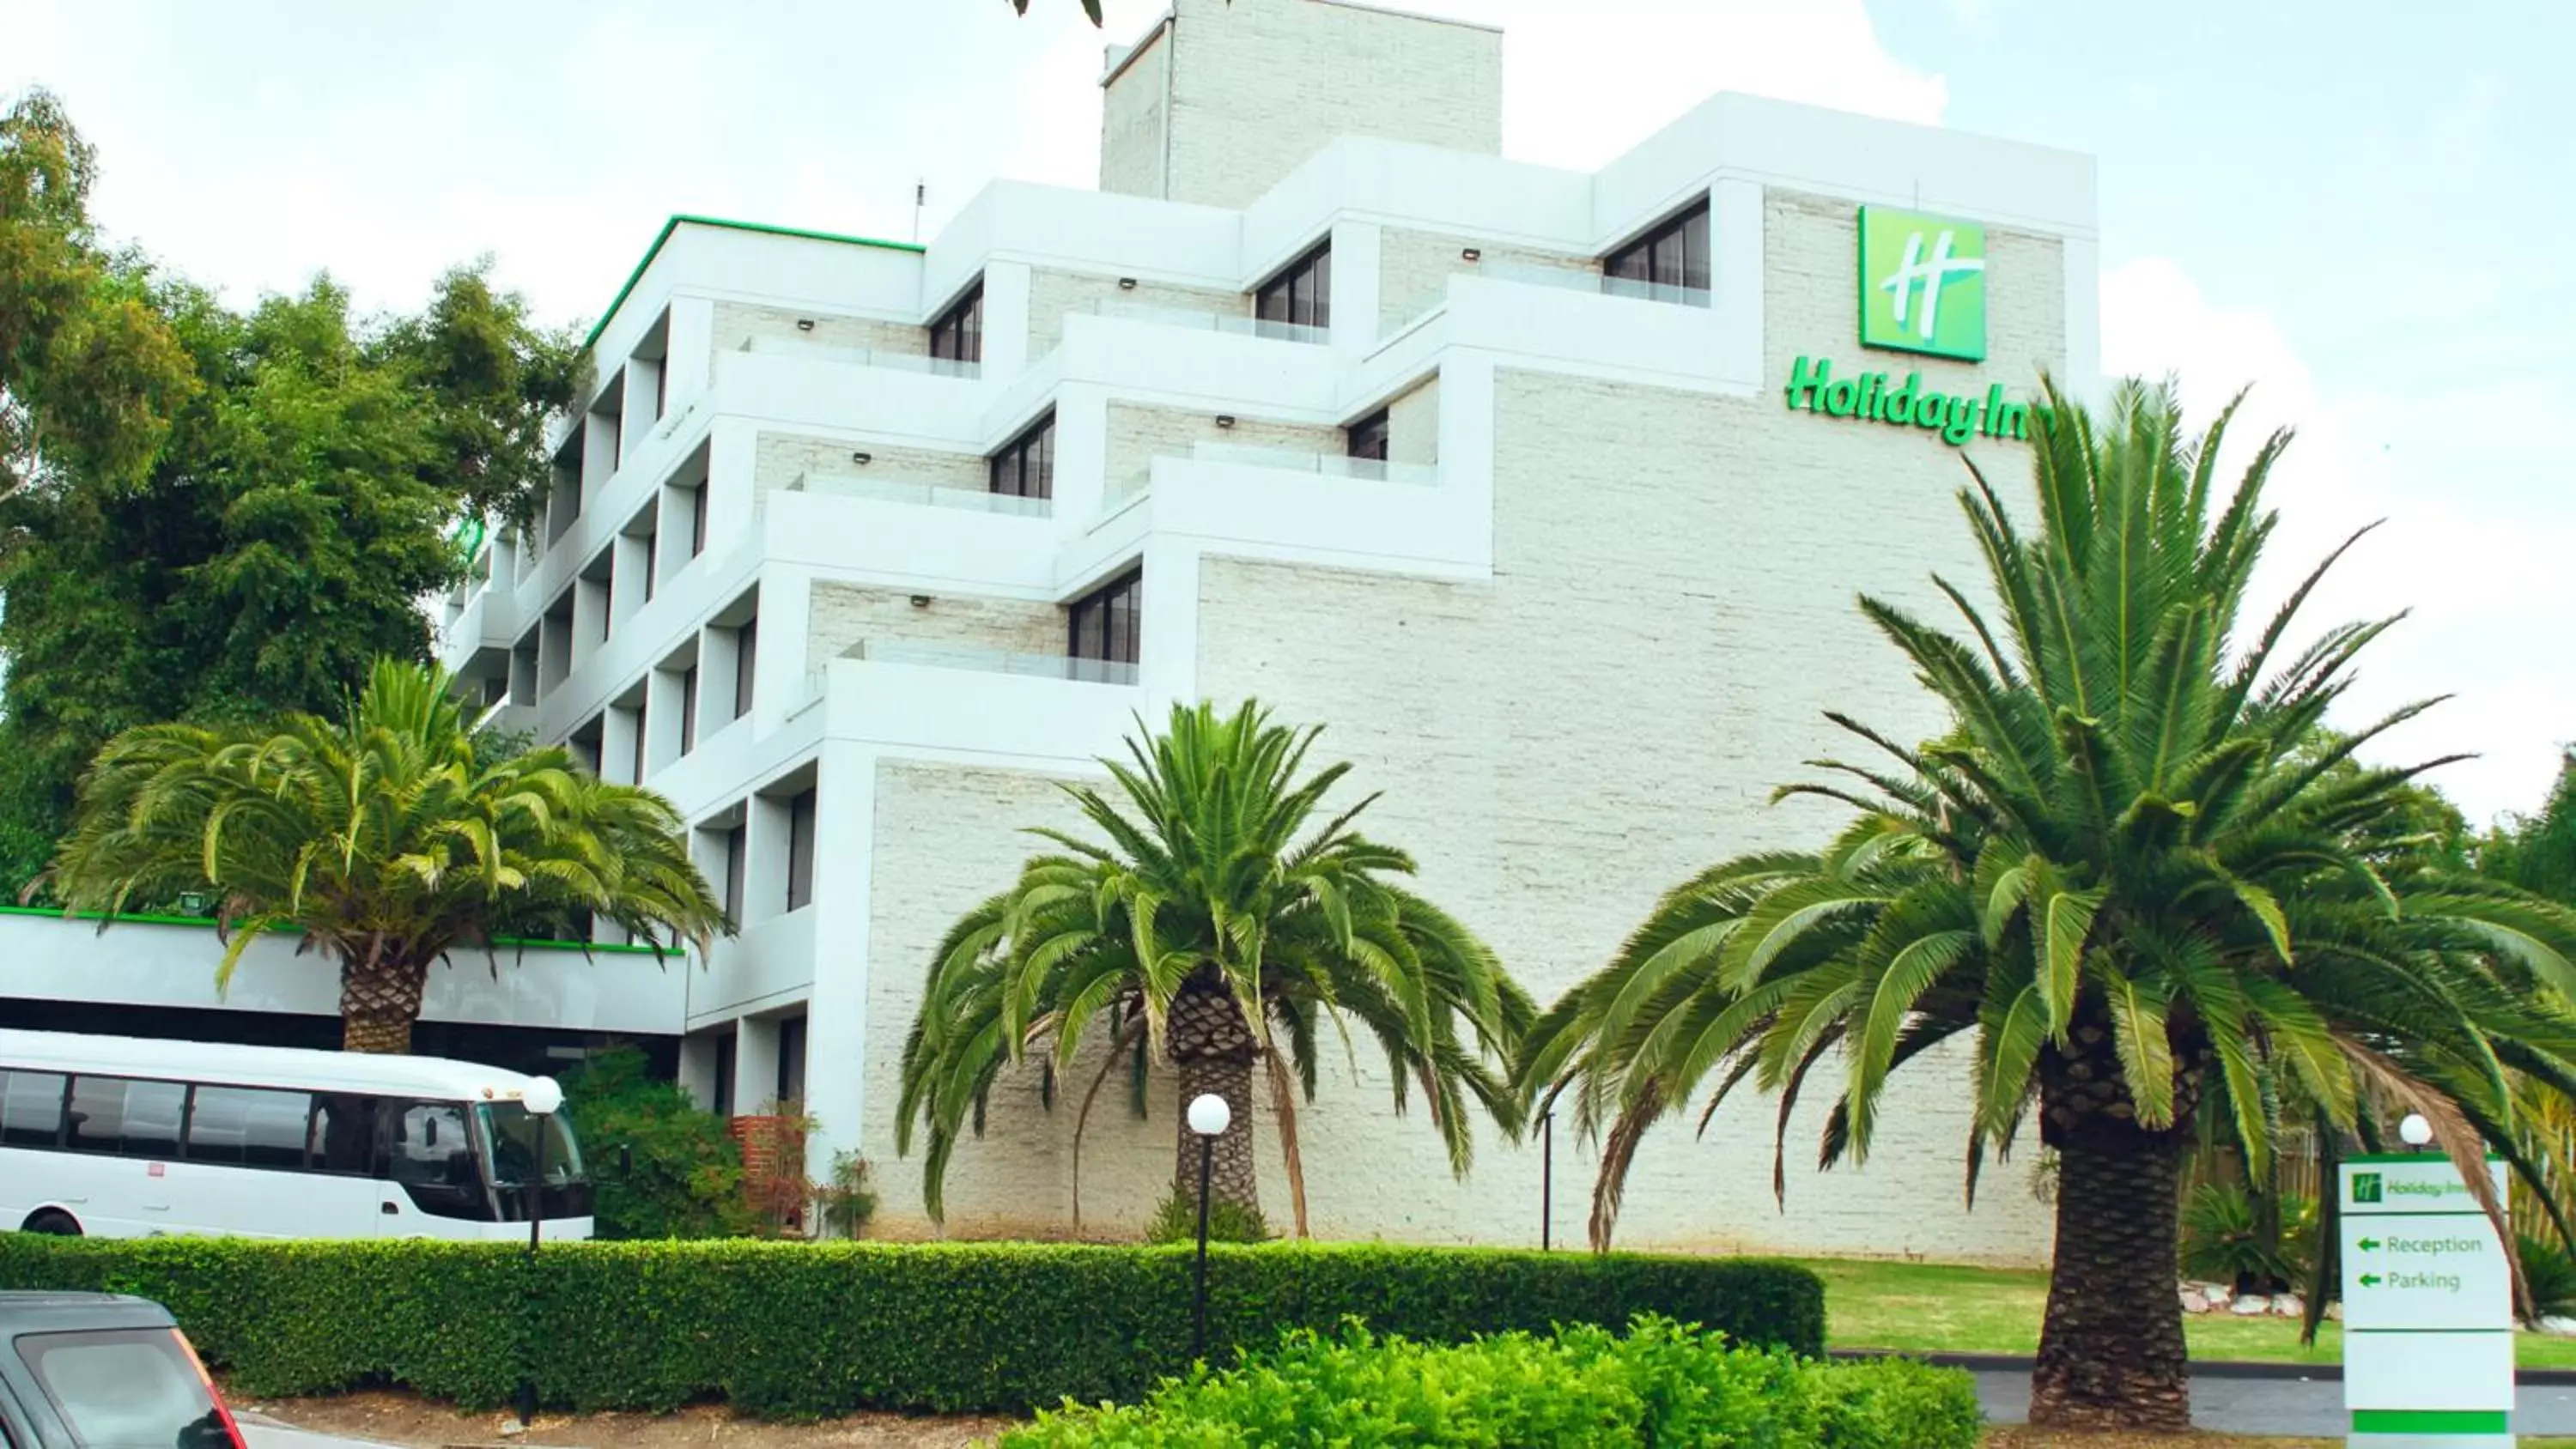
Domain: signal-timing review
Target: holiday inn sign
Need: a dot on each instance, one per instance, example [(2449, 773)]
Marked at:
[(1922, 289)]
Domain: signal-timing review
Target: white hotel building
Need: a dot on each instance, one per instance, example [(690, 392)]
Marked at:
[(857, 548)]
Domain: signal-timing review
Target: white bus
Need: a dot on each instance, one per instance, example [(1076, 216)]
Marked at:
[(120, 1137)]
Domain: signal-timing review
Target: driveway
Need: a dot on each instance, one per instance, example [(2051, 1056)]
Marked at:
[(2230, 1404)]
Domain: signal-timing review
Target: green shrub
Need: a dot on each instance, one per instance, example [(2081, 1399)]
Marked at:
[(1176, 1220), (2551, 1275), (821, 1328), (2254, 1244), (1660, 1384), (662, 1166)]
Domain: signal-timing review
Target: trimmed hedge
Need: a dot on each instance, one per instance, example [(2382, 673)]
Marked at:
[(1661, 1384), (821, 1328)]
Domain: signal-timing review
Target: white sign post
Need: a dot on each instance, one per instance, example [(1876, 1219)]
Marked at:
[(2427, 1308)]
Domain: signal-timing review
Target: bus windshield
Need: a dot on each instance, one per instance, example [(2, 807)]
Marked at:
[(510, 1137)]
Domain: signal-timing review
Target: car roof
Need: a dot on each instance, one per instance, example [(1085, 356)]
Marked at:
[(49, 1311)]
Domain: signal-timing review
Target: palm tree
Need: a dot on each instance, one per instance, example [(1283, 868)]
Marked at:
[(1215, 931), (2129, 877), (381, 840)]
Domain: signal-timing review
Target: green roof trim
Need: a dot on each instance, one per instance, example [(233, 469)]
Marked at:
[(674, 224), (208, 922)]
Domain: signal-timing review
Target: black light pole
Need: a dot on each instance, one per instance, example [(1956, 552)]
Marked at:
[(543, 1098), (1209, 1117), (1546, 1181)]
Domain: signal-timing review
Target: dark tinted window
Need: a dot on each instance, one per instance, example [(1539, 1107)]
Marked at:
[(1301, 293), (791, 1059), (736, 862), (746, 655), (1108, 622), (1368, 436), (249, 1126), (1674, 254), (725, 1052), (697, 520), (958, 335), (1026, 469), (31, 1109), (128, 1389), (800, 851), (688, 709), (130, 1118), (344, 1133)]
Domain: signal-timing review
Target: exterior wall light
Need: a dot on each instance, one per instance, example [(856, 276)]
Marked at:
[(1126, 284), (1471, 254), (921, 601), (1225, 420), (804, 324), (863, 459)]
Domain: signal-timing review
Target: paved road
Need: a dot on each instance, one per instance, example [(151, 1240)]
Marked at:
[(2279, 1406)]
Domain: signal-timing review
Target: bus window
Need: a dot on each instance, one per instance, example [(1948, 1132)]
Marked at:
[(31, 1109), (127, 1117), (431, 1153), (248, 1127), (344, 1133)]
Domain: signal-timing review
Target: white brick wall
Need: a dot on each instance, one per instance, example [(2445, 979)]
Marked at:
[(1138, 435), (1413, 424), (737, 322), (1052, 294), (1414, 268), (846, 614), (1260, 85), (778, 458)]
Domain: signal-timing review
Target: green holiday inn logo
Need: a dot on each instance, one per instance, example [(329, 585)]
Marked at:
[(2365, 1187), (1922, 284)]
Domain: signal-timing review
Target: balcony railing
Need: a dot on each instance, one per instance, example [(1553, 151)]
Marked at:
[(1327, 465), (1121, 491), (993, 661), (1234, 322), (906, 490), (1573, 280), (862, 356)]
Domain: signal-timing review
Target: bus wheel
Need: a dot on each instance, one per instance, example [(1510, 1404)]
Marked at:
[(50, 1220)]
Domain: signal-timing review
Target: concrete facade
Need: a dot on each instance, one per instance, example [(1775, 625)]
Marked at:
[(1576, 626)]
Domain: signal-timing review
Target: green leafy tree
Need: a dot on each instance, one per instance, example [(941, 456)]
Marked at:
[(662, 1166), (2538, 852), (380, 839), (1214, 931), (2131, 880), (89, 374)]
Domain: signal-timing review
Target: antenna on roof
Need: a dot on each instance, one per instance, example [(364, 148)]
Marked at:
[(920, 193)]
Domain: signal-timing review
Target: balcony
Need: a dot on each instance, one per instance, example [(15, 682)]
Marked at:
[(927, 655), (910, 491), (1234, 323), (861, 357), (1572, 280), (1122, 491)]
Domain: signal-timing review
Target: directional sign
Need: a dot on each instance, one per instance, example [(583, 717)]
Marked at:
[(2427, 1307)]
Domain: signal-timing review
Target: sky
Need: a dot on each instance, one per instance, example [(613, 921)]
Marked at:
[(2357, 207)]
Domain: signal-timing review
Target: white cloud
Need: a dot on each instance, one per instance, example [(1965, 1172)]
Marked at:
[(2475, 560)]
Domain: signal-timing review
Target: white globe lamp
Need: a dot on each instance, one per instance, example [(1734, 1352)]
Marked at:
[(2415, 1130), (1209, 1115), (543, 1096)]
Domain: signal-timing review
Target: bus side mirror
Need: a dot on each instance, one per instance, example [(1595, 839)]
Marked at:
[(429, 1132)]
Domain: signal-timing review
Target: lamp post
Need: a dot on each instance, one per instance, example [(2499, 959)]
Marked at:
[(1209, 1116), (1547, 1181), (543, 1097), (2415, 1130)]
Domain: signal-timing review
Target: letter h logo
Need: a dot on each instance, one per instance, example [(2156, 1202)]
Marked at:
[(1922, 284)]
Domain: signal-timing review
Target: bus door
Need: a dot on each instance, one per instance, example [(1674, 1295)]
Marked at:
[(435, 1187)]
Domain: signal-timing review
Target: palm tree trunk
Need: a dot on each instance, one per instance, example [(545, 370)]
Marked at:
[(2111, 1352), (379, 1001), (1212, 1047)]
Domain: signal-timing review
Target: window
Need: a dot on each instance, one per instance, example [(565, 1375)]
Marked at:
[(697, 520), (125, 1117), (343, 1138), (129, 1386), (1368, 436), (688, 709), (800, 851), (723, 1093), (791, 1059), (1026, 469), (652, 562), (746, 656), (736, 861), (429, 1145), (643, 716), (1105, 623), (1301, 293), (248, 1127), (31, 1109), (1674, 254), (958, 335)]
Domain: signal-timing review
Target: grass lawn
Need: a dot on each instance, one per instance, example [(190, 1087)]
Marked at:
[(1931, 1308)]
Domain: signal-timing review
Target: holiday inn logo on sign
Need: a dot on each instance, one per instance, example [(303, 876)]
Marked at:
[(1922, 284)]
